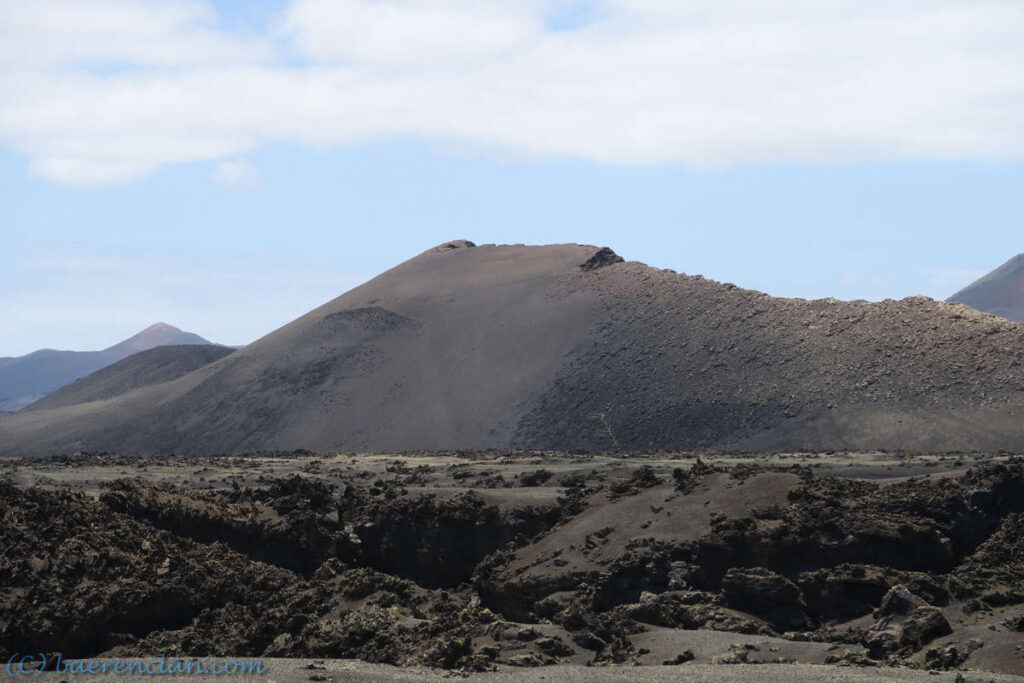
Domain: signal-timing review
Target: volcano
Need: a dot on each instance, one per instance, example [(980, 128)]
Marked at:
[(570, 347), (1001, 292)]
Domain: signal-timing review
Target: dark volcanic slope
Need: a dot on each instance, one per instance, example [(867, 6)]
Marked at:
[(1001, 292), (501, 346), (28, 378), (680, 360), (143, 369)]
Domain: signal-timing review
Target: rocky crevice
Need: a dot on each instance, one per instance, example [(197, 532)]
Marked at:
[(298, 568)]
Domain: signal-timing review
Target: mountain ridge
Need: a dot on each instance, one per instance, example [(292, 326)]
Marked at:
[(145, 368), (28, 378), (568, 347)]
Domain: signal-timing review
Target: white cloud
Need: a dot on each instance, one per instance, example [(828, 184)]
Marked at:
[(89, 172), (411, 33), (119, 32), (700, 82), (237, 174)]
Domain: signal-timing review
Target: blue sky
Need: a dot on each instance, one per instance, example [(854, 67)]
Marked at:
[(294, 150)]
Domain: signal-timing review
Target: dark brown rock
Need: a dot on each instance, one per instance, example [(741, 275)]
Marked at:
[(601, 258), (766, 594)]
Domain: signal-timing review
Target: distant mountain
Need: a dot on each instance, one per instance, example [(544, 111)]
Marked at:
[(1001, 292), (143, 369), (28, 378), (567, 346)]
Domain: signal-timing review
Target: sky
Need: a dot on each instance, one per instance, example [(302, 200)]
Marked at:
[(227, 166)]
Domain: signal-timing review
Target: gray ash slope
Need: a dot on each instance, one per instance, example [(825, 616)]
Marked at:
[(1001, 292), (565, 347), (143, 369)]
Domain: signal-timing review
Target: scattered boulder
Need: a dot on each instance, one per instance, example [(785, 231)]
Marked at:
[(925, 624), (851, 658), (853, 590), (681, 658), (686, 480), (898, 601), (642, 478), (906, 625), (554, 647), (1015, 623), (601, 258), (454, 244), (951, 656), (527, 634), (526, 660), (766, 594), (736, 654)]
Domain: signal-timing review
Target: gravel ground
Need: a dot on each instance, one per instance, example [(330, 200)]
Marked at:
[(340, 670)]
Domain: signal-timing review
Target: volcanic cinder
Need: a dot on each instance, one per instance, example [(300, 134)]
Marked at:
[(569, 347)]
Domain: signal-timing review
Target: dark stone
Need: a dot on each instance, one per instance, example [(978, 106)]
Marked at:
[(601, 258)]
